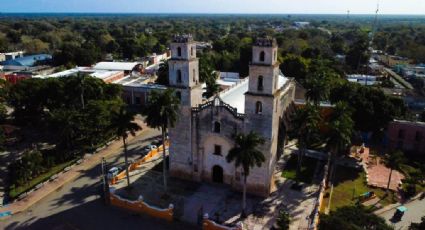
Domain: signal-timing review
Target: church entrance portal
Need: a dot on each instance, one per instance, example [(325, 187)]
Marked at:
[(217, 174)]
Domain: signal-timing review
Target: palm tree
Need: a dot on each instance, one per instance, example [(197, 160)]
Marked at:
[(122, 124), (246, 155), (80, 88), (161, 112), (338, 138), (304, 127), (212, 87), (163, 73), (393, 161), (317, 90)]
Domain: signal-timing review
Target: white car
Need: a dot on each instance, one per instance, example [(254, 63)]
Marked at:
[(112, 172), (148, 148)]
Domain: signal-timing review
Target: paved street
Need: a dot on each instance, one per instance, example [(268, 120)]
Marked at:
[(415, 210), (77, 205)]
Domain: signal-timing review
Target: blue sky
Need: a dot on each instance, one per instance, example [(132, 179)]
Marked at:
[(216, 6)]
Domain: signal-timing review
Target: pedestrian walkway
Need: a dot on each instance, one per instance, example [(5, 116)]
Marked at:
[(75, 172), (299, 204)]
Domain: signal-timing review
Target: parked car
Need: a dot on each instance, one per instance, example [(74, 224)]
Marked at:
[(148, 148), (399, 212), (112, 172)]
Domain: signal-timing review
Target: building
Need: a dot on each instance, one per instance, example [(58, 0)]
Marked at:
[(362, 79), (392, 60), (127, 67), (203, 133), (25, 63), (408, 136), (11, 55)]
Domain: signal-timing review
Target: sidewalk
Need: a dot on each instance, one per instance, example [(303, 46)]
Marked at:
[(66, 177), (299, 204)]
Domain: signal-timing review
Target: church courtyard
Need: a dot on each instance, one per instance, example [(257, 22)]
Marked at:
[(192, 200)]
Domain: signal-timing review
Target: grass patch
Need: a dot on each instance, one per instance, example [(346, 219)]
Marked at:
[(17, 191), (307, 169), (349, 185)]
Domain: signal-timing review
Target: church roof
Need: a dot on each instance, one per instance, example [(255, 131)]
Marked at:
[(235, 96)]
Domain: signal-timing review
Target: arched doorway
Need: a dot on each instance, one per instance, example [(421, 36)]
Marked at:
[(217, 174)]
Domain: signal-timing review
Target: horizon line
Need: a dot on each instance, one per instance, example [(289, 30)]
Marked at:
[(207, 13)]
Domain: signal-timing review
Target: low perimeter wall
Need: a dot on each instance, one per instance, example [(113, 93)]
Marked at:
[(139, 206), (134, 165), (208, 224)]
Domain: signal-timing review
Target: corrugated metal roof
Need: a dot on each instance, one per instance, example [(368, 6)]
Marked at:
[(28, 60), (118, 66)]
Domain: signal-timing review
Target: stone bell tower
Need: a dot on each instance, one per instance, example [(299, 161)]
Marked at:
[(261, 107), (184, 79)]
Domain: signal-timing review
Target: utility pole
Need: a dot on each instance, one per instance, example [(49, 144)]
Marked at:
[(105, 184)]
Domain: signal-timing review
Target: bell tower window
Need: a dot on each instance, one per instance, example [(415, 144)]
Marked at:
[(258, 107), (191, 51), (179, 51), (262, 56), (194, 75), (179, 76), (260, 83)]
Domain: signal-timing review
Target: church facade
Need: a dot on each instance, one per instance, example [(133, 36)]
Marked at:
[(202, 136)]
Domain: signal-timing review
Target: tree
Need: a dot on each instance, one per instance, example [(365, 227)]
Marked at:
[(163, 73), (122, 123), (283, 220), (418, 226), (338, 137), (162, 112), (304, 127), (352, 218), (393, 161), (212, 87), (246, 154), (357, 54), (295, 66)]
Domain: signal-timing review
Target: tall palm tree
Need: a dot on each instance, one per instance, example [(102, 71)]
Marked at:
[(161, 112), (246, 155), (338, 138), (305, 128), (163, 73), (317, 90), (393, 161), (122, 124)]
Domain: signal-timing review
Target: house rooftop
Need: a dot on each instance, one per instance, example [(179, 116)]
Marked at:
[(117, 66)]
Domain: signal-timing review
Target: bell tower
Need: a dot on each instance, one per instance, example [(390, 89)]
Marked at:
[(184, 79), (260, 100)]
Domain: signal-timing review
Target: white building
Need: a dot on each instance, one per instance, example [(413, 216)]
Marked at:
[(203, 133)]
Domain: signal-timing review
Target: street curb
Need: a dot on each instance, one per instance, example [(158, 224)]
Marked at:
[(393, 206), (59, 185)]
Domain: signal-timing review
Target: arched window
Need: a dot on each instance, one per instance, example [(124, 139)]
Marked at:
[(179, 95), (217, 127), (275, 55), (179, 51), (258, 107), (260, 83), (179, 76), (191, 51), (194, 75), (262, 56)]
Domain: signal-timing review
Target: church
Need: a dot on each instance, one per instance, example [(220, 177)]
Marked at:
[(202, 136)]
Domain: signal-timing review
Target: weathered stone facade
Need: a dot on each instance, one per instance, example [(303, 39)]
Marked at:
[(203, 134)]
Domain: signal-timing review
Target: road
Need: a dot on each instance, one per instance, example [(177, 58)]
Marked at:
[(78, 205), (415, 210)]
